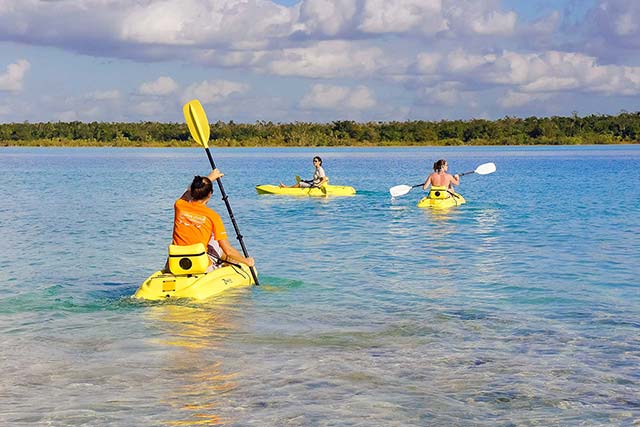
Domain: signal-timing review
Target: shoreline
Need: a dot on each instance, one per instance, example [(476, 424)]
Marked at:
[(237, 144)]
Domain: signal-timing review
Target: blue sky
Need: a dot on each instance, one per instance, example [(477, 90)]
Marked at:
[(317, 60)]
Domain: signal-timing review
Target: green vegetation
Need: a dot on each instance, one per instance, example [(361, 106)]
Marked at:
[(594, 129)]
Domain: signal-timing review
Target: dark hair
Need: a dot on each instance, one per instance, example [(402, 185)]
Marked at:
[(437, 166), (319, 159), (201, 187)]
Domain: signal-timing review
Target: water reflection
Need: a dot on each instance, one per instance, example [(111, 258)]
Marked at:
[(441, 214), (196, 336)]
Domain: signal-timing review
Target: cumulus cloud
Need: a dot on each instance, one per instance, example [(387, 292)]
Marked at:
[(445, 52), (400, 16), (105, 95), (555, 71), (147, 29), (211, 92), (326, 17), (162, 86), (323, 18), (446, 93), (12, 79), (149, 108), (495, 23), (325, 60), (460, 61), (513, 99), (330, 97), (88, 25), (616, 23), (241, 24), (467, 17), (551, 71)]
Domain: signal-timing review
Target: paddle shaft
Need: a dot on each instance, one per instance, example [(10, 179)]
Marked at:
[(225, 198)]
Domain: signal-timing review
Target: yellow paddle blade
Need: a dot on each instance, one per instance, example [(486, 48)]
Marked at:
[(197, 122)]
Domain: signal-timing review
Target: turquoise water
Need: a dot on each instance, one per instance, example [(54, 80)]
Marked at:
[(519, 308)]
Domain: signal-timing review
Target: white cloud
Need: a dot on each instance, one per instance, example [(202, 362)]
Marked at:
[(329, 97), (550, 71), (400, 16), (327, 17), (625, 25), (615, 24), (149, 108), (12, 79), (106, 95), (325, 60), (460, 61), (495, 23), (333, 18), (444, 52), (428, 62), (480, 18), (160, 87), (446, 93), (514, 99), (234, 24), (147, 29), (555, 71), (211, 92)]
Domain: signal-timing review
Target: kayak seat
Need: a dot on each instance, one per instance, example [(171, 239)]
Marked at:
[(186, 260), (439, 193)]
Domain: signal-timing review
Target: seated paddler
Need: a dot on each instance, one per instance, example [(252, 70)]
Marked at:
[(440, 181), (194, 222)]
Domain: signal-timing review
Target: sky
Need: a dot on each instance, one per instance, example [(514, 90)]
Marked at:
[(317, 60)]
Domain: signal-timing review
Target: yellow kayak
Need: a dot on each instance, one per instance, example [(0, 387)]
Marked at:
[(324, 191), (163, 285), (187, 277), (440, 197)]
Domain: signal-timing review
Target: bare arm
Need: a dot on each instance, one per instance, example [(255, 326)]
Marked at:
[(232, 255), (427, 183), (455, 179)]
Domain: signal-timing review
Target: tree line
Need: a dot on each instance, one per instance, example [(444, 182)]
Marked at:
[(593, 129)]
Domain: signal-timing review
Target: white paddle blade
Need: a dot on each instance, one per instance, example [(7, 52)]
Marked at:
[(485, 169), (399, 190)]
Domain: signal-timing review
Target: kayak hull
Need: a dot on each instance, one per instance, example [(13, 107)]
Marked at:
[(163, 285), (324, 191), (455, 200)]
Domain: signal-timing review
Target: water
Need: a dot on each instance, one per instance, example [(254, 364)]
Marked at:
[(519, 308)]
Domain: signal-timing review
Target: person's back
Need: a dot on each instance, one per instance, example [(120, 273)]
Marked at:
[(440, 177), (194, 222)]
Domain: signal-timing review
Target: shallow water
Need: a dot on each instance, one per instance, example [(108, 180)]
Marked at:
[(519, 308)]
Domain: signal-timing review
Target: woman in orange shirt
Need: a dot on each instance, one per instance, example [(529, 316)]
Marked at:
[(194, 222)]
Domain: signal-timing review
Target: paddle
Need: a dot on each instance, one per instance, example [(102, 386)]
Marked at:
[(199, 128), (483, 169), (322, 188)]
